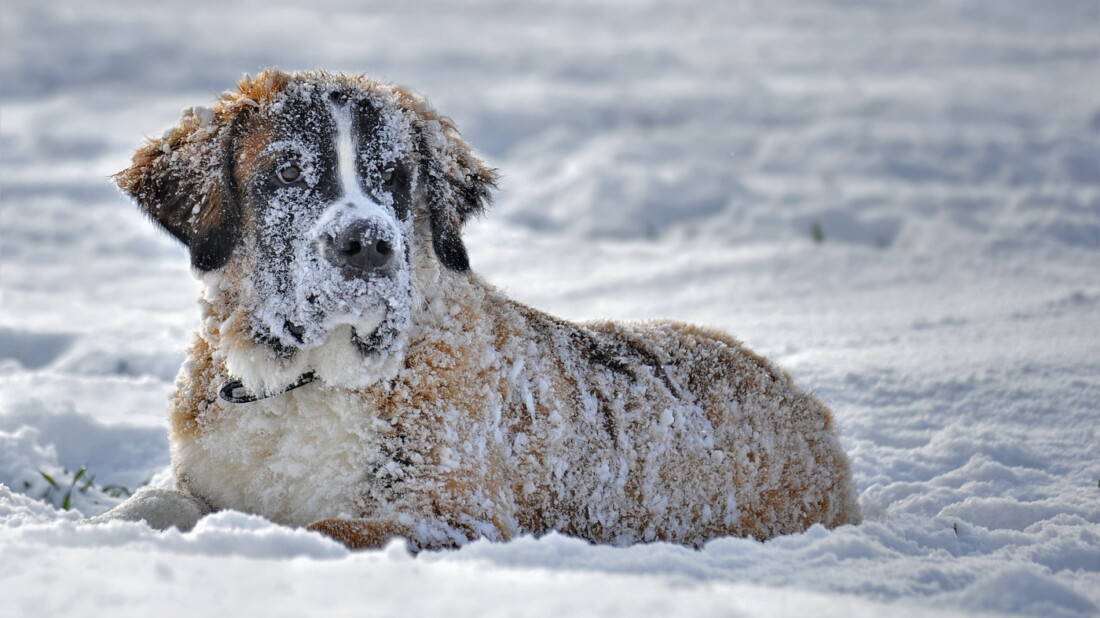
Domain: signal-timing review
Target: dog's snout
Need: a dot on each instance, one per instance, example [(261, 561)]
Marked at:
[(361, 248)]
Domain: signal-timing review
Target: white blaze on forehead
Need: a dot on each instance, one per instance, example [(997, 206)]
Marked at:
[(346, 155), (353, 201)]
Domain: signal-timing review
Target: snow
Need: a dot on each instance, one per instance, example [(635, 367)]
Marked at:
[(657, 161)]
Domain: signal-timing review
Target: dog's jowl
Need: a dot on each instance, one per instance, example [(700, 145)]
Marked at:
[(352, 374)]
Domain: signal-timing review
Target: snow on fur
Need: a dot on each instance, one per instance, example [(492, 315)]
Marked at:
[(484, 418)]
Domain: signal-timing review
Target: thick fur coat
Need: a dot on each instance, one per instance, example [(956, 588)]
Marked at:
[(433, 407)]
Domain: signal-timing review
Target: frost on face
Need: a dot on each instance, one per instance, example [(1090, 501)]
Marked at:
[(340, 152), (302, 296)]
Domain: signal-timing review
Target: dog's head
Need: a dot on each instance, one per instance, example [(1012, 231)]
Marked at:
[(309, 203)]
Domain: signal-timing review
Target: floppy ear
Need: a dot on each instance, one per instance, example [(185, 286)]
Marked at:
[(458, 186), (184, 182)]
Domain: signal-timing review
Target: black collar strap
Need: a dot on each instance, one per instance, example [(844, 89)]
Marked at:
[(235, 392)]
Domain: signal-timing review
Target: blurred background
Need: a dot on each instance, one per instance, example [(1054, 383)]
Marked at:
[(881, 123)]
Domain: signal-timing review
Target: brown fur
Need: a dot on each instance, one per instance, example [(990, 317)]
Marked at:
[(359, 534), (804, 480), (502, 420)]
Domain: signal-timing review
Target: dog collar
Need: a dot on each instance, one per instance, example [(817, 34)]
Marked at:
[(235, 392)]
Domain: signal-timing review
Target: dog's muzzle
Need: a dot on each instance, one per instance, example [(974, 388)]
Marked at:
[(364, 248)]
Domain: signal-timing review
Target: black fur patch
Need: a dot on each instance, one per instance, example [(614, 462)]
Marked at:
[(447, 242), (376, 176), (175, 198), (377, 341), (451, 201), (211, 247)]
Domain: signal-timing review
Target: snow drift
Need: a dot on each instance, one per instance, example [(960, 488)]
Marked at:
[(900, 203)]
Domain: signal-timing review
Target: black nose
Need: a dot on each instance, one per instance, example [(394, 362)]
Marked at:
[(362, 248)]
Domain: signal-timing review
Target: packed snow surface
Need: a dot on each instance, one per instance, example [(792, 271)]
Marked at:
[(899, 202)]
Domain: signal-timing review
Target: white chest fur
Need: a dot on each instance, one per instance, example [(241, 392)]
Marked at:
[(295, 458)]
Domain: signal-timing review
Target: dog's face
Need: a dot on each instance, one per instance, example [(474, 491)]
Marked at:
[(309, 202), (326, 179)]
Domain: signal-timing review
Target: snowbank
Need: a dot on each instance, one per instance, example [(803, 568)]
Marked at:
[(899, 203)]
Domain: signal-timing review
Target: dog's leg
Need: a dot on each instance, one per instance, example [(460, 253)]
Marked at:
[(159, 508), (360, 533)]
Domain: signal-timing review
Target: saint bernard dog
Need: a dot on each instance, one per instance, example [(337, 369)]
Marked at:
[(351, 374)]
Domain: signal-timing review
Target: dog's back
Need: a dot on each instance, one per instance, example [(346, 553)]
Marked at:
[(620, 433)]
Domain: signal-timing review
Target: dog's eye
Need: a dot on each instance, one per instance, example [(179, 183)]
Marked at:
[(387, 175), (290, 174)]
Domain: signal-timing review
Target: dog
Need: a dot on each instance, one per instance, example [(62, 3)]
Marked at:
[(351, 374)]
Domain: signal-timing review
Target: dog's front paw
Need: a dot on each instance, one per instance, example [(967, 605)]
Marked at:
[(360, 533), (160, 508)]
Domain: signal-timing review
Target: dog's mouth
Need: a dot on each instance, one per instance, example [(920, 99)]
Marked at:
[(371, 342)]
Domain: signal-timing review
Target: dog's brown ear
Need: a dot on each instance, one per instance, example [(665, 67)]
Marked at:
[(458, 186), (184, 182)]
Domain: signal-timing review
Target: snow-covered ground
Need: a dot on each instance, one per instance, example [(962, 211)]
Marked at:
[(898, 201)]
